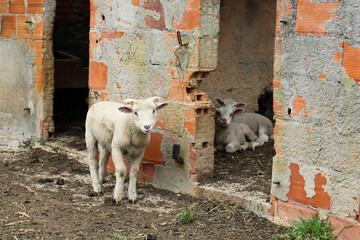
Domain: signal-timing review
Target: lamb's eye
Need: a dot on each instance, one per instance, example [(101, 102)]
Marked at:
[(231, 115), (135, 113), (153, 111)]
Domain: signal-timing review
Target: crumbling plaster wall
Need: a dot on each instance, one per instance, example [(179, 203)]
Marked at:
[(26, 67), (317, 109), (246, 52), (134, 53)]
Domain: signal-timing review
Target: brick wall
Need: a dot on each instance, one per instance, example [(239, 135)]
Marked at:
[(24, 38), (316, 104), (134, 53)]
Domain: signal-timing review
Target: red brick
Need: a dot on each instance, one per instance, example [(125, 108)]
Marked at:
[(154, 5), (283, 13), (136, 3), (297, 189), (111, 35), (312, 17), (351, 233), (24, 27), (39, 79), (4, 6), (153, 152), (190, 18), (17, 6), (94, 39), (287, 212), (351, 62), (299, 105), (93, 10), (8, 26), (35, 6), (97, 75), (37, 48), (39, 26)]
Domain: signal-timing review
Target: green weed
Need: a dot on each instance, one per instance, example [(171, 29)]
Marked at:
[(312, 229), (185, 216)]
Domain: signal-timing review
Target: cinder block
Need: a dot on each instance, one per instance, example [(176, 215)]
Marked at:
[(17, 6), (8, 26), (312, 17), (35, 6)]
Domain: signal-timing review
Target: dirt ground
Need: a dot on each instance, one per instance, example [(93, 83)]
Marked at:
[(46, 195)]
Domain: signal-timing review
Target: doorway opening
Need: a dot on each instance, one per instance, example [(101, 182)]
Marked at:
[(71, 53), (245, 74)]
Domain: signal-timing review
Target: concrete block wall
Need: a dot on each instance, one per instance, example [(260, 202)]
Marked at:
[(317, 110), (135, 53), (26, 72)]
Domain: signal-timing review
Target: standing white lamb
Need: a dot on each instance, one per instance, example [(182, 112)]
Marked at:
[(231, 136), (121, 130), (260, 125)]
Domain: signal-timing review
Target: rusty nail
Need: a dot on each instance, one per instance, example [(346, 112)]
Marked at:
[(283, 21), (28, 22), (179, 38), (27, 110), (276, 182)]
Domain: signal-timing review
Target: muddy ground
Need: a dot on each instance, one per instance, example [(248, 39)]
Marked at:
[(46, 195)]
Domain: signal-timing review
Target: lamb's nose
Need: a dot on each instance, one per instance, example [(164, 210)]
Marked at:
[(147, 127), (224, 120)]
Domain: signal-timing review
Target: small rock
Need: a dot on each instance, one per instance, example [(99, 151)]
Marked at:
[(60, 181)]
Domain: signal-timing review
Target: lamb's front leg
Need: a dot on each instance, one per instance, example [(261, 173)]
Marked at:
[(120, 173), (135, 165)]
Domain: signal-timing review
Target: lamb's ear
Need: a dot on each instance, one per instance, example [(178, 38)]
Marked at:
[(161, 105), (156, 99), (129, 101), (125, 109), (238, 111), (220, 102), (239, 105)]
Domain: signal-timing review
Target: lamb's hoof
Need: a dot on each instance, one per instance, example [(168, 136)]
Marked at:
[(117, 202), (253, 145), (132, 201)]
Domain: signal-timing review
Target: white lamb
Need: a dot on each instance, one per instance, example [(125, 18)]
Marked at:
[(231, 136), (121, 130), (259, 124)]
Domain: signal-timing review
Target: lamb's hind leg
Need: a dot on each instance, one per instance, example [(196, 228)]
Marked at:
[(93, 154), (263, 134), (104, 157), (251, 136), (232, 147)]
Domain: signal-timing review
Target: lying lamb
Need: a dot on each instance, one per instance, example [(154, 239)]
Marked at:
[(120, 130), (259, 124), (231, 136)]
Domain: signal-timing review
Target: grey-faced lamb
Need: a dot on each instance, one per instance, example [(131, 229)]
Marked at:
[(259, 124), (119, 129), (231, 136)]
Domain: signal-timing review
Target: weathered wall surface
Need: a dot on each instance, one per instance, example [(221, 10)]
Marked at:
[(26, 99), (246, 52), (317, 109), (134, 53)]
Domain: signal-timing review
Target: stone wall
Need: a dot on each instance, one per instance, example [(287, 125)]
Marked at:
[(135, 52), (317, 109)]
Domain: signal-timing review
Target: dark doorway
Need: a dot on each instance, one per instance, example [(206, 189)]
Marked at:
[(71, 53)]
